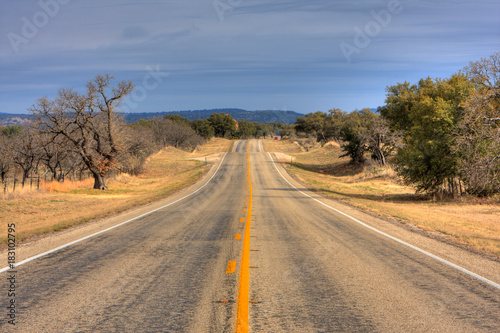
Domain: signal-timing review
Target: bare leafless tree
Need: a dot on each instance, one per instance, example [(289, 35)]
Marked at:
[(54, 150), (170, 133), (478, 132), (381, 140), (486, 74), (26, 152), (478, 145), (89, 122), (6, 161), (72, 165), (139, 146)]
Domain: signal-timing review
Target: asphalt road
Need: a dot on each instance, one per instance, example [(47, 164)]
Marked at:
[(311, 270)]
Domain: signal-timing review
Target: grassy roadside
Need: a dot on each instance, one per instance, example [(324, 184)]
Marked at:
[(60, 206), (467, 222)]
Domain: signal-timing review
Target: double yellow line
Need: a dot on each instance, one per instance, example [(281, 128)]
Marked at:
[(242, 324)]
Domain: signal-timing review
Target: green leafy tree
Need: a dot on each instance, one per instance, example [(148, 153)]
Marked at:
[(203, 128), (262, 130), (311, 123), (353, 134), (11, 131), (223, 124), (286, 131), (245, 130), (326, 127), (427, 113), (332, 126), (178, 119), (143, 123), (276, 128), (398, 105)]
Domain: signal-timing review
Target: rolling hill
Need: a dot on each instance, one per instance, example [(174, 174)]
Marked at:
[(267, 116)]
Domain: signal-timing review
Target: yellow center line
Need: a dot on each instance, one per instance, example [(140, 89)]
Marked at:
[(231, 267), (242, 324)]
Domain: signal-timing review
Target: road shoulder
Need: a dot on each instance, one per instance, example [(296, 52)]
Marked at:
[(48, 242), (477, 263)]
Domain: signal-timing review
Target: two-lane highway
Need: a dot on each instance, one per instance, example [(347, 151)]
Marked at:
[(319, 271), (165, 272), (311, 269)]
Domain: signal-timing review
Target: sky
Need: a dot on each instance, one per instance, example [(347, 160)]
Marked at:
[(299, 55)]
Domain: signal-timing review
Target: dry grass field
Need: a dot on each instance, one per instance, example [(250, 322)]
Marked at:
[(469, 222), (57, 206)]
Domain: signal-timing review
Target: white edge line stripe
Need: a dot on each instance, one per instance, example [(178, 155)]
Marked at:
[(463, 270), (113, 227), (235, 146)]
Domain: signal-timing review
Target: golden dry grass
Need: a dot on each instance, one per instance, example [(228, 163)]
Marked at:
[(58, 206), (472, 223)]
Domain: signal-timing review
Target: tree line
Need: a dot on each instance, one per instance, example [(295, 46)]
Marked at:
[(78, 134), (443, 135)]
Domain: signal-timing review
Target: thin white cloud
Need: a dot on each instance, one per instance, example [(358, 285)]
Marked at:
[(246, 53)]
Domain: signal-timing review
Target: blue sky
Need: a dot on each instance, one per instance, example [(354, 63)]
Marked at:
[(305, 55)]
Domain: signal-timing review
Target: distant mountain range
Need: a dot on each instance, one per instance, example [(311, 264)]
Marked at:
[(7, 119), (266, 116)]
